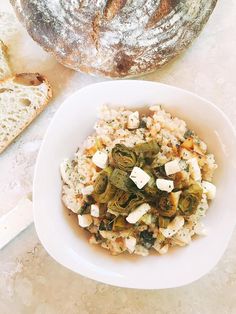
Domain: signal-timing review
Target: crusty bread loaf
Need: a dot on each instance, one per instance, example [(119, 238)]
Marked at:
[(115, 38), (22, 98), (5, 70)]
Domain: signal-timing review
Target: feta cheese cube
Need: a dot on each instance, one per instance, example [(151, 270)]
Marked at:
[(200, 229), (85, 220), (194, 169), (165, 185), (174, 226), (173, 166), (139, 177), (100, 159), (209, 189), (133, 120), (183, 236), (94, 210), (130, 243), (87, 190), (135, 215)]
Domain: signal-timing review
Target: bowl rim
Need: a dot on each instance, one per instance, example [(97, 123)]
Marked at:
[(92, 274)]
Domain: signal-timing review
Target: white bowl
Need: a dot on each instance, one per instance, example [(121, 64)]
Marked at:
[(64, 240)]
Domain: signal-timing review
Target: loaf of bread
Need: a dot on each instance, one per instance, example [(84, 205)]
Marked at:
[(22, 98), (114, 38), (5, 70)]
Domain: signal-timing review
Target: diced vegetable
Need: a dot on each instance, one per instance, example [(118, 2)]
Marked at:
[(190, 199), (150, 148), (163, 222), (123, 202), (166, 205), (188, 143), (120, 224), (120, 179), (147, 219), (124, 157), (103, 189)]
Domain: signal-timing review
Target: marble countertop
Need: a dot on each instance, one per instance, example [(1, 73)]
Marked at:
[(30, 280)]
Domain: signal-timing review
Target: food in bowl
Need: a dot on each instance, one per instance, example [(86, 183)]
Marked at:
[(141, 182)]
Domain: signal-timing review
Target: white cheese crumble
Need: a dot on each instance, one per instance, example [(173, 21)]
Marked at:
[(85, 220), (173, 166), (135, 215), (200, 229), (87, 190), (209, 189), (133, 120), (94, 210), (194, 169), (173, 227), (100, 159), (165, 185), (139, 177), (130, 243)]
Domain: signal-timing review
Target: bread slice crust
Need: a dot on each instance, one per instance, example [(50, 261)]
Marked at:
[(24, 82)]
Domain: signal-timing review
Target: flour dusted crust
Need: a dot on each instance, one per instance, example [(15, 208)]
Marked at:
[(114, 38)]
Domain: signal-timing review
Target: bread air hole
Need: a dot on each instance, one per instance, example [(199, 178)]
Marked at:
[(25, 102), (28, 79)]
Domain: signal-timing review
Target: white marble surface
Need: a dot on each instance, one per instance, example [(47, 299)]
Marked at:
[(30, 281)]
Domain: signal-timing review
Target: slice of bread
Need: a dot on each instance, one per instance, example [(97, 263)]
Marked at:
[(22, 98), (5, 70)]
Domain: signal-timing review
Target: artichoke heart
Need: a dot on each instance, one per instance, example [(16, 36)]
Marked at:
[(163, 222), (103, 189), (190, 199), (123, 203), (150, 189), (120, 224), (124, 157), (148, 149), (167, 205), (121, 180)]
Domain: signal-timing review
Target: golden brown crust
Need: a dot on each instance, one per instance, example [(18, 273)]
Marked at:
[(4, 49), (115, 38)]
